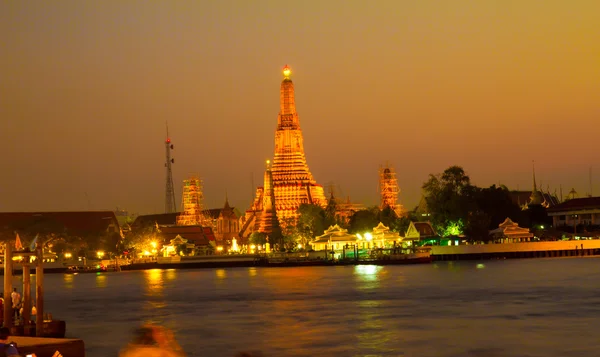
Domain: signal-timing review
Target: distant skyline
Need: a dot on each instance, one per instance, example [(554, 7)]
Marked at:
[(87, 88)]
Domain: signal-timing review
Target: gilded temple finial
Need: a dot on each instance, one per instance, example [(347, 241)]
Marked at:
[(286, 71)]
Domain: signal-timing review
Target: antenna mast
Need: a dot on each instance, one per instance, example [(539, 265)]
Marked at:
[(169, 190)]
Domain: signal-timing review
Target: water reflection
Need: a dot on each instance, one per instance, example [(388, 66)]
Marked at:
[(68, 280), (154, 282), (221, 274), (171, 274), (367, 276), (373, 334), (100, 280), (252, 272)]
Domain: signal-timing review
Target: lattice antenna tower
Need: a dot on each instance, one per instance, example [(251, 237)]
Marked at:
[(169, 188), (388, 187)]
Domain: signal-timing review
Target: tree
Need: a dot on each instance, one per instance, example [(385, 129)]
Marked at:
[(449, 197), (364, 221), (258, 238), (497, 203), (311, 221)]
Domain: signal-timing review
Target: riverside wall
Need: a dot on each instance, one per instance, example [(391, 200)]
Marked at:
[(571, 248)]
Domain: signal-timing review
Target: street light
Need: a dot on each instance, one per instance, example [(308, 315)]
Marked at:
[(68, 255), (100, 254)]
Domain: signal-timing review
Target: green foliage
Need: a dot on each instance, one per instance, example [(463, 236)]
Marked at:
[(364, 221), (259, 238), (312, 222), (457, 206)]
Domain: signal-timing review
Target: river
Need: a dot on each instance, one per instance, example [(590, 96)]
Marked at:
[(538, 307)]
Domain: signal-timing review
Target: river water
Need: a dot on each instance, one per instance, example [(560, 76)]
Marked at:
[(539, 307)]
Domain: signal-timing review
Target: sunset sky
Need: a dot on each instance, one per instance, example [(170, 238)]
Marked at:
[(87, 86)]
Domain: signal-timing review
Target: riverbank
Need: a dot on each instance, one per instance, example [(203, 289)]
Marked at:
[(571, 248), (246, 262)]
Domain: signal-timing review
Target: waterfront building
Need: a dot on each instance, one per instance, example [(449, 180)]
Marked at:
[(420, 231), (576, 212), (334, 237), (510, 232), (384, 237), (201, 237), (178, 246), (292, 182)]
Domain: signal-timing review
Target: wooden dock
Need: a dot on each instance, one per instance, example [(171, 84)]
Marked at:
[(48, 347)]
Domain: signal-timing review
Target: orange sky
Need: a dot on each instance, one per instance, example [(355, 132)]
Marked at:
[(489, 85)]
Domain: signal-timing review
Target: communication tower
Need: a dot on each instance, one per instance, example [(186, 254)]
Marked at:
[(169, 190)]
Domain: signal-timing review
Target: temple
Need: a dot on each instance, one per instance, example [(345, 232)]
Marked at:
[(288, 181), (191, 202), (389, 190)]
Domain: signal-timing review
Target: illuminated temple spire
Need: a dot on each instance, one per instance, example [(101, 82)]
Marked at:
[(288, 177), (293, 183)]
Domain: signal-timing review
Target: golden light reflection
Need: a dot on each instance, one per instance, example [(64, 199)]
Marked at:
[(367, 276), (372, 333), (100, 280), (252, 272), (171, 274), (221, 274), (154, 281), (68, 280)]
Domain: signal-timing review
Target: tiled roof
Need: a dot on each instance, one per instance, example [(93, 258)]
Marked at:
[(162, 219), (577, 204), (194, 234), (78, 222), (425, 229), (522, 198)]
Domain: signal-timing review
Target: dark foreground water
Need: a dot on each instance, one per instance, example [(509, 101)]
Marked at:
[(542, 307)]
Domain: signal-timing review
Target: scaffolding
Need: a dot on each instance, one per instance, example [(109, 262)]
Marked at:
[(389, 189), (191, 203)]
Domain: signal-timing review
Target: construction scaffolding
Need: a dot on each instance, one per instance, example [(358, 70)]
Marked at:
[(191, 203), (389, 189)]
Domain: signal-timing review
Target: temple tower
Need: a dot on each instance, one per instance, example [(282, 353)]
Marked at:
[(389, 189), (192, 203), (268, 217), (292, 181)]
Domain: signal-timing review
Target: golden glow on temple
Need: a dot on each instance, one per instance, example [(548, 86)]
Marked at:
[(288, 181), (389, 190), (286, 71), (192, 203)]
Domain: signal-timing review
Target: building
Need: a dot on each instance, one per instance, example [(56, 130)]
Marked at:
[(193, 213), (334, 238), (389, 190), (525, 199), (576, 212), (227, 225), (420, 231), (292, 181), (99, 229), (510, 232)]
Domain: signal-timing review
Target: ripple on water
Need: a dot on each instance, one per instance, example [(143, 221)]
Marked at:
[(510, 308)]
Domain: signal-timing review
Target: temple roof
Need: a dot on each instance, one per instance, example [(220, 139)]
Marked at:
[(510, 228), (77, 222), (577, 204)]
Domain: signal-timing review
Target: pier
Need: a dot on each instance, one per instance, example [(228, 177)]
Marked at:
[(22, 334), (571, 248)]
